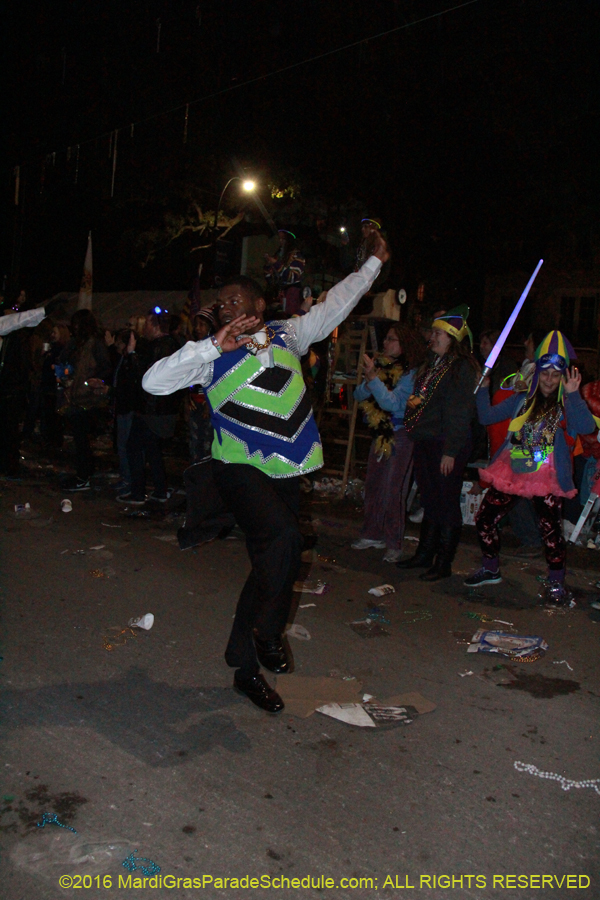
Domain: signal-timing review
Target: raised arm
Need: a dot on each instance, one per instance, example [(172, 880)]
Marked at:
[(341, 300), (191, 364), (28, 319)]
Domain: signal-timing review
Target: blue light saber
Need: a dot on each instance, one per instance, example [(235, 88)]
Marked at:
[(491, 360)]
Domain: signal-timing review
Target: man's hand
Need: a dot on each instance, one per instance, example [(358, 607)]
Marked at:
[(369, 370), (447, 465), (227, 336), (376, 246), (572, 380)]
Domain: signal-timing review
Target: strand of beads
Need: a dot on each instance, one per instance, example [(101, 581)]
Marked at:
[(565, 783), (132, 863), (48, 819)]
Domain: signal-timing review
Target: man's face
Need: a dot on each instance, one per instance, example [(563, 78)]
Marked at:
[(234, 301), (367, 228), (201, 328)]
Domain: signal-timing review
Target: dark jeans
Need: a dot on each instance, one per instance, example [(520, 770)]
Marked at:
[(144, 446), (81, 426), (11, 408), (440, 494), (266, 509)]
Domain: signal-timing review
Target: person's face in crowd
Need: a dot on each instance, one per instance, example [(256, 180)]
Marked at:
[(151, 330), (367, 228), (54, 335), (391, 344), (549, 381), (201, 328), (485, 347), (529, 348), (235, 301), (439, 341)]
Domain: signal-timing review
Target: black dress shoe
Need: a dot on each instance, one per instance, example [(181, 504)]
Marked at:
[(273, 655), (255, 688)]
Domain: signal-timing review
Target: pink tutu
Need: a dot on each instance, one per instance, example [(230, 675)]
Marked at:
[(524, 484)]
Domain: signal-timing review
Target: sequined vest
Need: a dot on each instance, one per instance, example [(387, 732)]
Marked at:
[(263, 416)]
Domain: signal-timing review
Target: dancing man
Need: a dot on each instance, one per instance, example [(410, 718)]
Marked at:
[(265, 439)]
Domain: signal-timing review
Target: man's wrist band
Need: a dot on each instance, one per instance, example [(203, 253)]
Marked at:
[(217, 345)]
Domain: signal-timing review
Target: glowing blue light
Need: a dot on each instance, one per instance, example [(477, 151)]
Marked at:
[(157, 310)]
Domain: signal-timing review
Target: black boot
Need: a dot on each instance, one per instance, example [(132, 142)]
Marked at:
[(442, 568), (428, 544)]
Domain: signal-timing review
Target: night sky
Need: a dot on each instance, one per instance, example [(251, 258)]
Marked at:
[(473, 134)]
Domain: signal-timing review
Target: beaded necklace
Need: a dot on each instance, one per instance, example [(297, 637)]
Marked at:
[(424, 390), (536, 438), (254, 343), (379, 420)]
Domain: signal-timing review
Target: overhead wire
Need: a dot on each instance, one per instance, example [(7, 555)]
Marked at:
[(236, 87)]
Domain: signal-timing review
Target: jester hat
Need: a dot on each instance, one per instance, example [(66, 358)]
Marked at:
[(454, 322), (554, 352)]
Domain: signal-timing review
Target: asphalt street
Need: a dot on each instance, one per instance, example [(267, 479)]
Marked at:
[(138, 742)]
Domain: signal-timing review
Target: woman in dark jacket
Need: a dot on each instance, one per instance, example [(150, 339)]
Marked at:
[(438, 419)]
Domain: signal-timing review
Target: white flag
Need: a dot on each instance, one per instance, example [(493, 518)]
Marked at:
[(85, 291)]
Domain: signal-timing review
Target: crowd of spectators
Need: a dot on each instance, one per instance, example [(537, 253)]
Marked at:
[(77, 378)]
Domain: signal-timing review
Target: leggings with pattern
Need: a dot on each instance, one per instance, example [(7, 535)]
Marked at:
[(497, 504)]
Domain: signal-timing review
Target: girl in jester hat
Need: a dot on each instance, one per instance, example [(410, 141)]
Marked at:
[(438, 420), (535, 460)]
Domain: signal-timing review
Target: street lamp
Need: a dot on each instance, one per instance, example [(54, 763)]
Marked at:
[(248, 186)]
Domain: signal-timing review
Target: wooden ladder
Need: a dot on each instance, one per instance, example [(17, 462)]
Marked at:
[(346, 371)]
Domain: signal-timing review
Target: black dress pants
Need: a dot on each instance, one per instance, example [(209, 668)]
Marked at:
[(266, 509), (143, 445)]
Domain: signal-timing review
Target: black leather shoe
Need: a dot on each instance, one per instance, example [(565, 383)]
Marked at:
[(273, 655), (255, 688)]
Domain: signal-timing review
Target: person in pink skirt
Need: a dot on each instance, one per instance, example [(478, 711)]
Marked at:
[(535, 460)]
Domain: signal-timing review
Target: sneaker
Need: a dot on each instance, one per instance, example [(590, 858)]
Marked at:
[(365, 543), (130, 500), (392, 556), (80, 486), (154, 497), (417, 516), (483, 576)]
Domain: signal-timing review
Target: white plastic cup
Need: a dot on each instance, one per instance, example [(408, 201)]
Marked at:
[(66, 506)]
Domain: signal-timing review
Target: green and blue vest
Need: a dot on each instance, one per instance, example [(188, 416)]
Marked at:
[(263, 416)]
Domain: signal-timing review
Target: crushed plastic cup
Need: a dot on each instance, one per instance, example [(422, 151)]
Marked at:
[(66, 506), (146, 622), (298, 631)]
